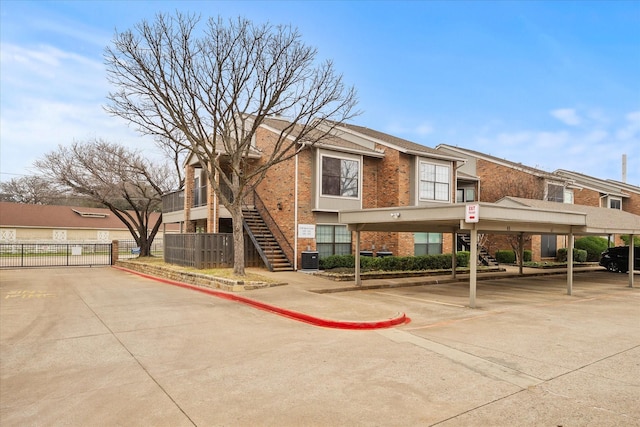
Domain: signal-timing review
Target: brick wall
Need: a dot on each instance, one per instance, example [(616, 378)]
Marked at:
[(497, 181), (188, 198), (385, 183), (632, 204), (586, 197)]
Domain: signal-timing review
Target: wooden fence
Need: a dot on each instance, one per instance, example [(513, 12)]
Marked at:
[(207, 250)]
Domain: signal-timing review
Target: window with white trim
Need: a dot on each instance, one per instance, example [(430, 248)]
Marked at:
[(332, 240), (427, 243), (464, 195), (340, 177), (614, 203), (434, 182), (555, 193), (568, 196)]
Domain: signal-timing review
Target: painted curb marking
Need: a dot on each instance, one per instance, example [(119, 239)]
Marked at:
[(399, 319)]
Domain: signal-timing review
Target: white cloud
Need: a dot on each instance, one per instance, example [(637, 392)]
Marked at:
[(424, 129), (631, 130), (52, 97), (568, 116)]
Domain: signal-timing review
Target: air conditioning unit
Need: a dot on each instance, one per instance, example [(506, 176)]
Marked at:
[(310, 260)]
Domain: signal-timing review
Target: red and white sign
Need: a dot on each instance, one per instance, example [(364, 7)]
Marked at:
[(472, 213)]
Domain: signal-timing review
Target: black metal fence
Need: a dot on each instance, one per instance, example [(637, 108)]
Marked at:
[(54, 254), (207, 250), (128, 248)]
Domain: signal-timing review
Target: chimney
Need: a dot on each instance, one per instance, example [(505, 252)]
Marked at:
[(624, 168)]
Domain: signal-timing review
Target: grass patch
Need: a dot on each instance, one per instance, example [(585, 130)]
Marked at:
[(225, 273)]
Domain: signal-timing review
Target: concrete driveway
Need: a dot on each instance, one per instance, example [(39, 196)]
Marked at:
[(102, 347)]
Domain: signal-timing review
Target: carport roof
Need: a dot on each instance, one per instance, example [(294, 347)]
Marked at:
[(509, 215), (599, 220)]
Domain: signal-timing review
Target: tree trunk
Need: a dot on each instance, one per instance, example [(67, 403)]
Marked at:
[(238, 240), (145, 246)]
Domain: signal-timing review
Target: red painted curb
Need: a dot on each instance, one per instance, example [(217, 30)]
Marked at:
[(400, 319)]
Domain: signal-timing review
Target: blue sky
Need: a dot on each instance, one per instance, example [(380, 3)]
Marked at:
[(549, 84)]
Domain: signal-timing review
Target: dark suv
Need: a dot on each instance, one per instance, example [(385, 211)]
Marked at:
[(617, 259)]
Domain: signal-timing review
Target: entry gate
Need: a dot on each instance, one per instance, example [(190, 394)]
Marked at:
[(17, 255)]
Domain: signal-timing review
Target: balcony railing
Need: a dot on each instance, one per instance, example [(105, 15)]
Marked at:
[(172, 202)]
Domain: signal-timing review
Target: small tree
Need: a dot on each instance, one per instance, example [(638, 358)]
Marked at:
[(209, 91), (120, 179), (30, 189)]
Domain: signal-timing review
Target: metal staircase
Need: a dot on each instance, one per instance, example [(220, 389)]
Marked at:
[(272, 254), (484, 257)]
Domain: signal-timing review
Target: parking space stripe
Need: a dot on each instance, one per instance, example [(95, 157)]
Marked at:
[(475, 363), (421, 299)]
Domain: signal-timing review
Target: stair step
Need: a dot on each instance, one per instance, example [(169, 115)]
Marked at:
[(267, 242)]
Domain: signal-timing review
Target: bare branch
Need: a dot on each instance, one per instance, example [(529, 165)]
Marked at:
[(208, 86), (117, 178)]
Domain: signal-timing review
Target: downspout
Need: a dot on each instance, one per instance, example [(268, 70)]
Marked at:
[(215, 203), (295, 215)]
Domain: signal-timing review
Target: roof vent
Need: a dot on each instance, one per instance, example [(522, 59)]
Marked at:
[(91, 214)]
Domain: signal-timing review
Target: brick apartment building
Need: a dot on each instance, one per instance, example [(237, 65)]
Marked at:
[(356, 168), (500, 178), (360, 168)]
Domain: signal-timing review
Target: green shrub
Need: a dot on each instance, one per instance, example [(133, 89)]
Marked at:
[(528, 255), (395, 263), (506, 256), (594, 246), (579, 255), (368, 263), (462, 258), (337, 261)]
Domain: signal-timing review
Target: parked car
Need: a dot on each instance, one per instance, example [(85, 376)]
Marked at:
[(617, 259)]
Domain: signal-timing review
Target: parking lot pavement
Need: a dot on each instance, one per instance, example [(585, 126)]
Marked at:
[(98, 346)]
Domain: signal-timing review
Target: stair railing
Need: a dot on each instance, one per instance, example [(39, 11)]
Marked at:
[(483, 254), (262, 254), (286, 247)]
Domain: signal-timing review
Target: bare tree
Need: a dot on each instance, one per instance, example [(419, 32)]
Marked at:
[(120, 179), (30, 189), (210, 90), (175, 153)]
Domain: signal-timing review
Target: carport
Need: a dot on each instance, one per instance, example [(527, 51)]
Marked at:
[(510, 215)]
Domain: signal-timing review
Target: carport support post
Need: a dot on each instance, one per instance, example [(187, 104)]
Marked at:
[(473, 267), (631, 260), (570, 264), (454, 254), (357, 266)]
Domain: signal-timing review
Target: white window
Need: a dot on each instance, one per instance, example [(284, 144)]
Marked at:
[(465, 195), (614, 203), (568, 196), (340, 177), (7, 235), (332, 240), (103, 236), (427, 243), (434, 182), (59, 235)]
